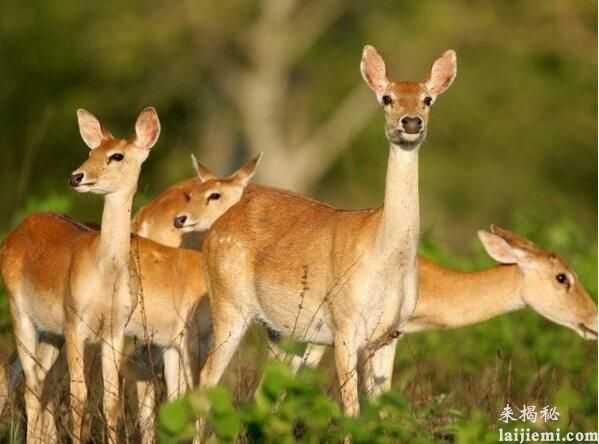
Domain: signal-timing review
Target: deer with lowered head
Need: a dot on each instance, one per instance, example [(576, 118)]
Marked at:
[(319, 274)]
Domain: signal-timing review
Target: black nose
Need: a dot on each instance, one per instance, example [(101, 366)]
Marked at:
[(76, 179), (180, 221), (412, 125)]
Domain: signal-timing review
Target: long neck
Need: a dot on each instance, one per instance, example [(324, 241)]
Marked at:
[(400, 221), (115, 234), (451, 299)]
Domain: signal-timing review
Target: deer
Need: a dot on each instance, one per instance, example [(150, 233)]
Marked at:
[(447, 298), (129, 273), (155, 219), (319, 274), (49, 235), (526, 276), (62, 241)]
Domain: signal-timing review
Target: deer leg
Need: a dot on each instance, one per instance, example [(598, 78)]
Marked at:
[(27, 346), (75, 349), (142, 368), (173, 373), (377, 369), (112, 356), (48, 354), (11, 377), (146, 402), (229, 327), (346, 361)]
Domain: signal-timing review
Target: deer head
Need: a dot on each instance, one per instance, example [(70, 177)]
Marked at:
[(407, 104), (113, 164), (213, 196), (549, 286)]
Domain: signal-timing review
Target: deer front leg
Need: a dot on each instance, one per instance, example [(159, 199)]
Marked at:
[(146, 402), (229, 327), (346, 361), (173, 374), (11, 377), (112, 357), (75, 349), (27, 343), (142, 369), (377, 369), (48, 354)]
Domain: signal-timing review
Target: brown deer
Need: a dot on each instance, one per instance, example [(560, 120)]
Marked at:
[(322, 275), (41, 242), (526, 277)]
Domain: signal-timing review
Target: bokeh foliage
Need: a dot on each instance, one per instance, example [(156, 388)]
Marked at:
[(516, 131)]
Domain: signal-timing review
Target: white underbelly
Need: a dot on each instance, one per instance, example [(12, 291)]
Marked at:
[(47, 316), (306, 320)]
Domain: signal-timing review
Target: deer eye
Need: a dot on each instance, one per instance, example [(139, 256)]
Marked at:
[(187, 196), (213, 196), (428, 101), (116, 156), (562, 279), (387, 100)]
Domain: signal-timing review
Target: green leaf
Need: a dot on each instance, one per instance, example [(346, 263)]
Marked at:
[(175, 416)]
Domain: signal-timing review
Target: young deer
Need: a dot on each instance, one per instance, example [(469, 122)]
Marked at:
[(117, 284), (155, 220), (320, 274)]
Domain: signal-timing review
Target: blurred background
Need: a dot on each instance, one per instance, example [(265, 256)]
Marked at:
[(513, 141), (516, 131)]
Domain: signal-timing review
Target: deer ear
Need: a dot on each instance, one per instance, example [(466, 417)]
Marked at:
[(374, 71), (498, 248), (91, 130), (147, 128), (443, 73), (202, 172), (244, 174)]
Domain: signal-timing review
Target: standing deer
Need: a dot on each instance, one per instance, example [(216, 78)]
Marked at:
[(319, 274), (37, 254), (526, 277), (447, 298)]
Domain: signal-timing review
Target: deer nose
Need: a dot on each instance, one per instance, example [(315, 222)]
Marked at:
[(412, 125), (180, 220), (76, 179)]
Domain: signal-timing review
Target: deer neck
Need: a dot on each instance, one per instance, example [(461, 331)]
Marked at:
[(451, 299), (115, 233), (399, 224)]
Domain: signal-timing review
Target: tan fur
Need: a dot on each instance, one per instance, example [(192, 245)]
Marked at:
[(451, 299), (317, 273), (155, 220), (44, 249)]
